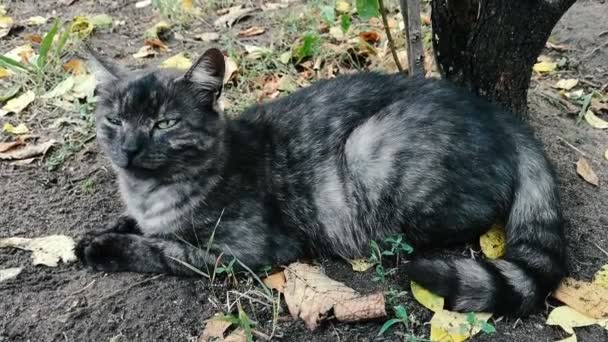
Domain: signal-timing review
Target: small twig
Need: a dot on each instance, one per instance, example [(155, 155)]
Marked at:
[(600, 248), (84, 288), (260, 334), (129, 287), (571, 146), (389, 36)]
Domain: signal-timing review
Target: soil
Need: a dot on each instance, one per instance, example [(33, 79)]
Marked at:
[(68, 303)]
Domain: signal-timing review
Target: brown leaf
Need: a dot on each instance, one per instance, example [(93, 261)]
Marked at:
[(216, 329), (156, 44), (425, 19), (5, 146), (33, 38), (28, 151), (369, 37), (311, 295), (584, 170), (232, 15), (587, 298), (252, 31), (275, 281), (271, 6), (207, 36), (75, 67)]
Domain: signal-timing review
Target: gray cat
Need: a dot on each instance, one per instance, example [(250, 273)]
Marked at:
[(322, 172)]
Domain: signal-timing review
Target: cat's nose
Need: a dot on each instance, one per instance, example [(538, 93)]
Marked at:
[(130, 148)]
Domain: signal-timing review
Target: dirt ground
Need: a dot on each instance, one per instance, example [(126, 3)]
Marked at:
[(68, 303)]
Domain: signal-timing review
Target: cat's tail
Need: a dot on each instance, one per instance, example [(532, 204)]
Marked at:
[(534, 262)]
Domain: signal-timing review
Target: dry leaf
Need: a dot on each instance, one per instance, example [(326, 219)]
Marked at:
[(252, 31), (568, 318), (60, 89), (584, 170), (215, 331), (33, 38), (4, 73), (158, 30), (493, 242), (310, 295), (6, 23), (601, 277), (557, 47), (425, 19), (46, 250), (571, 338), (27, 151), (207, 36), (17, 130), (544, 67), (272, 6), (587, 298), (336, 33), (21, 53), (179, 61), (156, 44), (425, 297), (446, 326), (275, 281), (233, 15), (35, 21), (18, 104), (361, 264), (5, 146), (82, 27), (595, 121), (187, 5), (84, 86), (370, 37), (9, 273), (145, 51), (143, 3), (75, 67), (231, 69), (342, 6), (566, 84)]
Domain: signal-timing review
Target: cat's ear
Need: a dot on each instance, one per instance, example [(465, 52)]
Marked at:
[(104, 71), (208, 71)]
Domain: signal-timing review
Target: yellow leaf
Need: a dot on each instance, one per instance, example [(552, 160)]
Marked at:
[(84, 86), (46, 250), (493, 243), (60, 89), (601, 277), (187, 5), (157, 30), (145, 51), (6, 23), (584, 170), (179, 61), (361, 265), (231, 69), (18, 104), (595, 121), (21, 53), (447, 326), (275, 281), (568, 318), (36, 21), (4, 73), (342, 6), (544, 67), (82, 27), (428, 299), (587, 298), (19, 129), (566, 84)]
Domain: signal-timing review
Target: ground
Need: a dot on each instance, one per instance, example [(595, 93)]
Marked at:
[(73, 191)]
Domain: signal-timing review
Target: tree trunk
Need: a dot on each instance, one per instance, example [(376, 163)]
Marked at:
[(490, 46)]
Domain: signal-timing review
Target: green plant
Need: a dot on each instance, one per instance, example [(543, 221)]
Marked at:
[(241, 320), (400, 317), (396, 246), (473, 322)]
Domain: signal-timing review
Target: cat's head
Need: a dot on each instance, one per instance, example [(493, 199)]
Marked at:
[(159, 120)]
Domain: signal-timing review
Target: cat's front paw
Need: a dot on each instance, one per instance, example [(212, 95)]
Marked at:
[(106, 252)]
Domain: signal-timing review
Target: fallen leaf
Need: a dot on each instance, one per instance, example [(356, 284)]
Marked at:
[(207, 36), (594, 121), (81, 26), (179, 61), (252, 31), (33, 38), (425, 19), (568, 318), (187, 5), (2, 9), (342, 6), (446, 326), (493, 242), (272, 6), (310, 295), (231, 69), (101, 20), (370, 37), (145, 51), (75, 67), (21, 53), (5, 146), (256, 52), (544, 67), (28, 151), (361, 265), (6, 23), (285, 57), (587, 298), (606, 154), (156, 44), (4, 73), (571, 338), (84, 86), (143, 3), (601, 277), (557, 47), (60, 89), (9, 273), (233, 15), (275, 281), (8, 93), (216, 329), (158, 30), (336, 33), (566, 84), (425, 297), (46, 250), (584, 170), (35, 21), (16, 130), (18, 104)]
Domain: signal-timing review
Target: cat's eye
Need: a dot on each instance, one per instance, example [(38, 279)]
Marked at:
[(114, 121), (164, 124)]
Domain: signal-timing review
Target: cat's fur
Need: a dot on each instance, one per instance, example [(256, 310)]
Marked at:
[(322, 172)]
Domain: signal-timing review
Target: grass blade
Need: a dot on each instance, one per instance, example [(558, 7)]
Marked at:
[(62, 40), (45, 46), (387, 325), (11, 63)]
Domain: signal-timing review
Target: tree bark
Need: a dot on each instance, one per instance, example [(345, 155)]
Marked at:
[(410, 10), (490, 46)]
